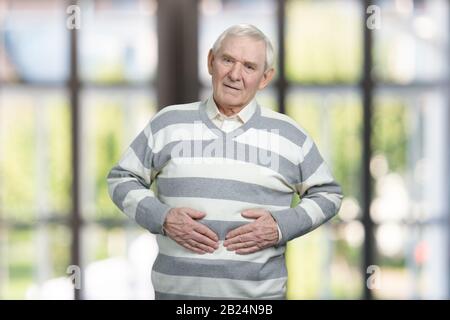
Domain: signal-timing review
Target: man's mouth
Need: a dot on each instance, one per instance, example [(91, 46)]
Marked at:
[(228, 86)]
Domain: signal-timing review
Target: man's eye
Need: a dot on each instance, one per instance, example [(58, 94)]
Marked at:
[(249, 67)]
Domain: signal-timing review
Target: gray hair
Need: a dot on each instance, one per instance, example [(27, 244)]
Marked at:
[(247, 30)]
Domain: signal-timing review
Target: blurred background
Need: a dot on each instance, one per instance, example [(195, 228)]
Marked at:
[(376, 101)]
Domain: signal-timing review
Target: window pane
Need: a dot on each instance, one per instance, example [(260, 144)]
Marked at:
[(35, 159), (118, 41), (323, 41), (344, 261), (325, 264), (117, 262), (218, 15), (268, 98), (36, 262), (412, 43), (37, 28), (333, 119), (412, 261), (409, 127), (111, 120), (410, 194), (303, 260), (393, 281), (19, 262)]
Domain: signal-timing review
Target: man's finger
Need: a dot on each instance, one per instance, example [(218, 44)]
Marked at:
[(248, 250), (201, 228), (194, 214), (238, 239), (200, 246), (253, 214), (192, 248), (241, 245), (205, 240), (241, 230)]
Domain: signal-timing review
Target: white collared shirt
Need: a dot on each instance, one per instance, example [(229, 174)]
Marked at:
[(229, 123)]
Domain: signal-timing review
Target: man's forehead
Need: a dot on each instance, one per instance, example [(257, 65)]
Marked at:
[(243, 47)]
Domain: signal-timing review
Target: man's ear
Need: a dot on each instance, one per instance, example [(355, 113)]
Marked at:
[(267, 77), (210, 61)]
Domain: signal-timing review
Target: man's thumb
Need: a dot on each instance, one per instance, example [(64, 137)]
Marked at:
[(194, 214), (252, 214)]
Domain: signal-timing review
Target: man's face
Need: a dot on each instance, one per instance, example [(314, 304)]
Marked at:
[(237, 71)]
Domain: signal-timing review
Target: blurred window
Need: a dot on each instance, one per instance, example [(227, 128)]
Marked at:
[(321, 88)]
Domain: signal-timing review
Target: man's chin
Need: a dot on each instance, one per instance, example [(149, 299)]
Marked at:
[(232, 93), (231, 99)]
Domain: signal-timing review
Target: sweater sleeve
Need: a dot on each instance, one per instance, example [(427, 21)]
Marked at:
[(320, 197), (129, 184)]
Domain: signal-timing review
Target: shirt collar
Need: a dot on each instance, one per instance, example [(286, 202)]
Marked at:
[(244, 115)]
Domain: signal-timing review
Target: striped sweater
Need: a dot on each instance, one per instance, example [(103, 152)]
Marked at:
[(195, 164)]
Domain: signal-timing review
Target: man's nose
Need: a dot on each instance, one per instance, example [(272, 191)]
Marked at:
[(235, 72)]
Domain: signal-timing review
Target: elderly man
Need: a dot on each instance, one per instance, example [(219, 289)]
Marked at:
[(226, 170)]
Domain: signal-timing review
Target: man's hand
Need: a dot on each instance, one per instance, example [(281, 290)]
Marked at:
[(180, 225), (255, 236)]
